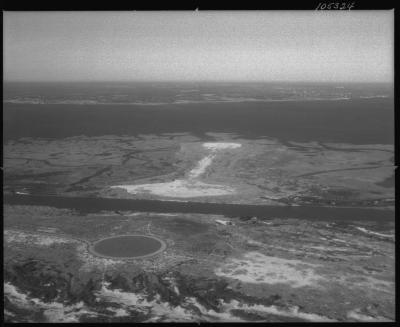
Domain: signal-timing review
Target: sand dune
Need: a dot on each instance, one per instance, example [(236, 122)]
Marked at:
[(256, 268)]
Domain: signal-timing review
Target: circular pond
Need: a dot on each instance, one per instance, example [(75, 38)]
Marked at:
[(128, 246)]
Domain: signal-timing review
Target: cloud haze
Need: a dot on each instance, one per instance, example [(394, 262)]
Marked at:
[(243, 46)]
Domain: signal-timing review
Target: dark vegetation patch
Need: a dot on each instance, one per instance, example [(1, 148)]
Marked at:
[(185, 226)]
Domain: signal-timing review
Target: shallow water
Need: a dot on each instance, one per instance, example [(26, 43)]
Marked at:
[(356, 121)]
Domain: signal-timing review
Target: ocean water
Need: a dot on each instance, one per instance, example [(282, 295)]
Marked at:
[(350, 113)]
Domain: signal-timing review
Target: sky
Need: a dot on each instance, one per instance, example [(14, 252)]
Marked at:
[(329, 46)]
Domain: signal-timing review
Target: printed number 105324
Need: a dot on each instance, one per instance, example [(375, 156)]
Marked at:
[(335, 6)]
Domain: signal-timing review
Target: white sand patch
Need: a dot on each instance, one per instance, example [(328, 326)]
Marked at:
[(374, 233), (52, 311), (356, 315), (46, 241), (138, 302), (176, 290), (292, 312), (201, 167), (15, 296), (47, 230), (119, 312), (339, 240), (221, 145), (172, 282), (211, 314), (163, 214), (159, 310), (127, 299), (134, 214), (12, 236), (258, 268), (179, 188), (191, 186), (222, 222), (272, 197)]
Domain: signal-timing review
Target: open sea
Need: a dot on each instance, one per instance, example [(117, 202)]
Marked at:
[(353, 113)]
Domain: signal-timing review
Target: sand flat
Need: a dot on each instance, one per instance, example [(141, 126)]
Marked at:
[(179, 188), (201, 166), (191, 186)]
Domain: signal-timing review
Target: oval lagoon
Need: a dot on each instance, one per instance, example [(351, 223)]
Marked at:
[(128, 246)]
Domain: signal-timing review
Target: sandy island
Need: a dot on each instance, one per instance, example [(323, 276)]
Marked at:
[(191, 186)]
